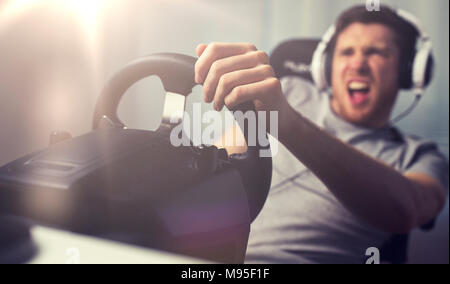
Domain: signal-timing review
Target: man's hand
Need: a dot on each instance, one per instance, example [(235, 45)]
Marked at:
[(233, 73)]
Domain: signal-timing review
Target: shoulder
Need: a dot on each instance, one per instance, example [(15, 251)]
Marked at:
[(416, 145), (292, 85)]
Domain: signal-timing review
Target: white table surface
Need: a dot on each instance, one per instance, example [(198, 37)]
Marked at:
[(60, 247)]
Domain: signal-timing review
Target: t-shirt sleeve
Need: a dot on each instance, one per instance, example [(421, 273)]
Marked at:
[(427, 159)]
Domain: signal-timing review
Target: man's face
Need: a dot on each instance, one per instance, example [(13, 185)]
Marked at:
[(365, 74)]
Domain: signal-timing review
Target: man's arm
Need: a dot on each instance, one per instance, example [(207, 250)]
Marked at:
[(378, 193), (235, 73)]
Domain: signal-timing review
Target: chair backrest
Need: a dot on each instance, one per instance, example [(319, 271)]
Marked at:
[(293, 58)]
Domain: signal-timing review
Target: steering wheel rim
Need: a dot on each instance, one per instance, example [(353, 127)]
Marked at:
[(176, 72)]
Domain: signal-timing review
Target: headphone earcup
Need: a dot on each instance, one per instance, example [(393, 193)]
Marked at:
[(429, 70), (405, 75), (328, 67), (319, 62), (422, 66), (424, 74), (318, 69)]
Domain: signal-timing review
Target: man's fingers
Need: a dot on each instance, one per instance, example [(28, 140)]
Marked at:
[(253, 91), (230, 64), (200, 49), (216, 51), (234, 73), (230, 81)]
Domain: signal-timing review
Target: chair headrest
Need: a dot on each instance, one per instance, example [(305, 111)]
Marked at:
[(293, 58)]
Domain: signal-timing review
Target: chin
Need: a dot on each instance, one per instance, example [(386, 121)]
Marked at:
[(364, 114), (359, 117)]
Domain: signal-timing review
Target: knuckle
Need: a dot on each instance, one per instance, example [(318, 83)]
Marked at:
[(220, 90), (213, 46), (224, 82), (215, 69), (273, 83), (238, 92), (207, 89), (262, 56), (251, 47), (268, 70)]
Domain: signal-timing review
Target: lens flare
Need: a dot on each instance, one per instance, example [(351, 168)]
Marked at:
[(87, 11), (72, 43), (12, 9)]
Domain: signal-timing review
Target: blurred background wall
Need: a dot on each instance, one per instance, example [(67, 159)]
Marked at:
[(55, 56)]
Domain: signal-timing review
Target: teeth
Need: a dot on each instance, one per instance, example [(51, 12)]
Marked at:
[(358, 86)]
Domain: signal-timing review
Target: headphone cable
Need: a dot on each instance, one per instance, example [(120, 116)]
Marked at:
[(408, 111)]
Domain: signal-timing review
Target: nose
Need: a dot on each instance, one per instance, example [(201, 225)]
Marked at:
[(358, 63)]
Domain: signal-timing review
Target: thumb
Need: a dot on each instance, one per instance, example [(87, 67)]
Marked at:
[(200, 49)]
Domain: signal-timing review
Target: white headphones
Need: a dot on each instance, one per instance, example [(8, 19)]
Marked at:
[(421, 65)]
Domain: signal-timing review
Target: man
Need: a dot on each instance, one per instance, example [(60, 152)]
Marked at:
[(347, 179)]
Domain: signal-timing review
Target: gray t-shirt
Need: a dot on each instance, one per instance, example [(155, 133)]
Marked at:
[(302, 221)]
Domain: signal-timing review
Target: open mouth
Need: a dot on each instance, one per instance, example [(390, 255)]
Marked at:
[(359, 92)]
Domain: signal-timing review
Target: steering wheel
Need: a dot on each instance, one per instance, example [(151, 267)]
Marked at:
[(176, 72)]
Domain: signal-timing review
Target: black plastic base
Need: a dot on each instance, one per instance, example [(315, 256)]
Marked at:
[(16, 245)]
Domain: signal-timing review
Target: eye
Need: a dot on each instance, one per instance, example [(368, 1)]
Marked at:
[(346, 52), (377, 51)]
